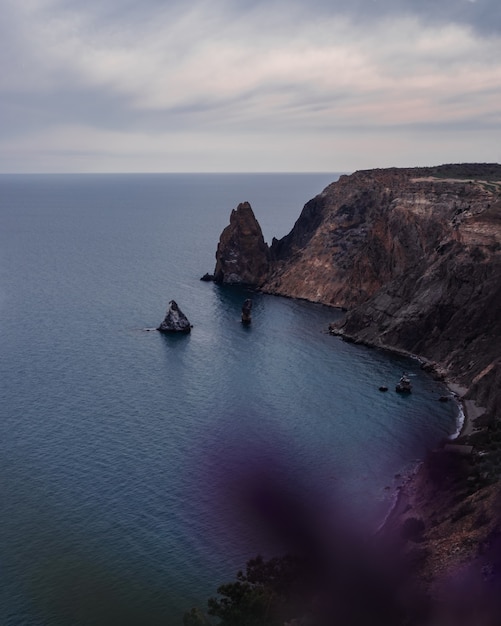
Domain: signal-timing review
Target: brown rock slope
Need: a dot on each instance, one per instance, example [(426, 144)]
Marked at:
[(415, 257)]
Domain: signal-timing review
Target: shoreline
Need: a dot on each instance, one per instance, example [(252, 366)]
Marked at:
[(401, 502), (404, 495), (469, 411)]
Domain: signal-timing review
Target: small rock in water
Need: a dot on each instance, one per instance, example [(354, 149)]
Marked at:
[(246, 311), (175, 320)]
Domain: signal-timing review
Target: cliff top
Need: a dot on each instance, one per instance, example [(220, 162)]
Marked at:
[(455, 171)]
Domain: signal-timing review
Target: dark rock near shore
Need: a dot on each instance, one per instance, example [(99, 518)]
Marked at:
[(242, 255), (247, 311), (175, 320)]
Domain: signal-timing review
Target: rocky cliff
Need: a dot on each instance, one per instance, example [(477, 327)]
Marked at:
[(414, 255), (436, 235)]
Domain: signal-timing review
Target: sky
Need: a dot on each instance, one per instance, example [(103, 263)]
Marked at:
[(248, 85)]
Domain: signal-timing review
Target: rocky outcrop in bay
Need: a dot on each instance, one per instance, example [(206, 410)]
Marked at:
[(242, 255), (247, 311), (175, 320)]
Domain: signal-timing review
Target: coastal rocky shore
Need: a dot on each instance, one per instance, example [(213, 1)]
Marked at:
[(414, 257)]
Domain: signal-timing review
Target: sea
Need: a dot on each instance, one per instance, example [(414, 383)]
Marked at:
[(140, 471)]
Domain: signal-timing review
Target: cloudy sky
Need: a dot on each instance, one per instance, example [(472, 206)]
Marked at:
[(247, 85)]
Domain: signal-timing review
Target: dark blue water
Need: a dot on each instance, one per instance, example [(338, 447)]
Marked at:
[(128, 458)]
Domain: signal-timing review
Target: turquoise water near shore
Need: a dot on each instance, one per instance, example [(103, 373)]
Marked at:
[(127, 458)]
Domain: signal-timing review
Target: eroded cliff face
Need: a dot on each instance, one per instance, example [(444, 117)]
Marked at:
[(414, 255)]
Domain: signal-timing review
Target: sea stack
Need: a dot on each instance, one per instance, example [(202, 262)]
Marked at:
[(175, 320), (247, 312), (242, 255)]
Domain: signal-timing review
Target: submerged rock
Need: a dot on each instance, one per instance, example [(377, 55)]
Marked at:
[(175, 320), (247, 311)]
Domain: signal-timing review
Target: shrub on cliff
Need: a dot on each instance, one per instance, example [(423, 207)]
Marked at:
[(269, 593)]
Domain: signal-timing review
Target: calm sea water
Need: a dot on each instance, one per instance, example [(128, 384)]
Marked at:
[(129, 460)]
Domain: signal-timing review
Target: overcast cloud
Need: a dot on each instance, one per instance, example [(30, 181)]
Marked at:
[(323, 85)]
